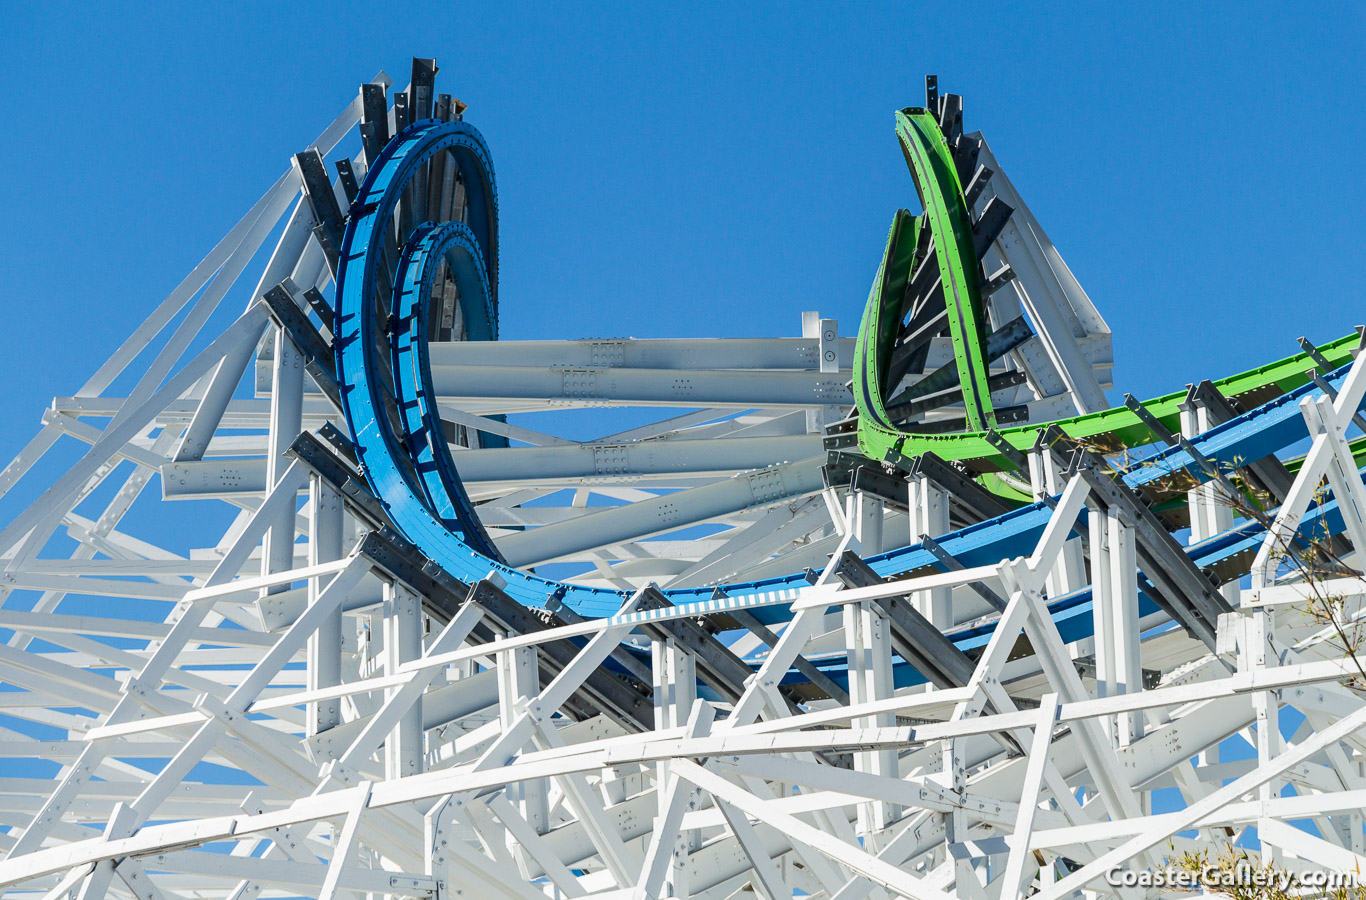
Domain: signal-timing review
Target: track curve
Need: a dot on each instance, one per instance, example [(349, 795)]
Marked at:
[(409, 466)]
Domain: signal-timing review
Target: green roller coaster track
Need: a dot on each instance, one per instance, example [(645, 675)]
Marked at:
[(946, 212), (946, 215)]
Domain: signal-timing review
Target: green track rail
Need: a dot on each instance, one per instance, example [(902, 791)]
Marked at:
[(878, 330), (1112, 428), (946, 215)]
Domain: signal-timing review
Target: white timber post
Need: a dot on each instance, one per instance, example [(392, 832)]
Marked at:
[(675, 693), (286, 421), (870, 678), (325, 644), (438, 834), (1114, 605), (1210, 511), (929, 513), (1253, 656), (826, 334), (1356, 821), (865, 516), (1046, 480), (1102, 610), (402, 644), (519, 681)]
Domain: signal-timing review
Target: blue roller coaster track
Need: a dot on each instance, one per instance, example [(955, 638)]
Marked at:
[(382, 364)]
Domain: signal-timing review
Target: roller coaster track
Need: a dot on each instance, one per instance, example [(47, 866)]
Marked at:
[(415, 477), (411, 681)]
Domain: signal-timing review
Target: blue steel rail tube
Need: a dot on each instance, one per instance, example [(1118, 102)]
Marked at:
[(415, 477)]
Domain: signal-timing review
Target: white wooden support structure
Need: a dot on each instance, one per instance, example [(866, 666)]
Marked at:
[(518, 673), (288, 700), (869, 643), (1046, 480), (826, 334), (403, 644), (325, 645), (1211, 512), (929, 514), (866, 515), (675, 703), (1116, 627)]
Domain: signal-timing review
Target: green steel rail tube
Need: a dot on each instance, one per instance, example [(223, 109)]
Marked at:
[(946, 216), (946, 213), (1117, 427), (878, 330)]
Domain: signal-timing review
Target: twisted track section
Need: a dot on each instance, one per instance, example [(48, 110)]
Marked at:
[(946, 213), (413, 473), (947, 220), (208, 730), (382, 362)]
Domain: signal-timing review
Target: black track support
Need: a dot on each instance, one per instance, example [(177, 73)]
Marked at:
[(874, 480), (374, 120), (317, 352), (1176, 583), (989, 224), (321, 308), (976, 184), (1160, 431), (347, 175), (421, 89), (951, 564), (322, 199), (717, 667), (913, 637), (998, 344), (443, 596), (818, 678), (979, 502), (951, 117)]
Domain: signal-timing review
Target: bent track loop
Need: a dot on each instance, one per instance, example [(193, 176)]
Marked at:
[(415, 477)]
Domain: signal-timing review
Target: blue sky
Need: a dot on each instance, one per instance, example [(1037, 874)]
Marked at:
[(705, 169), (696, 170)]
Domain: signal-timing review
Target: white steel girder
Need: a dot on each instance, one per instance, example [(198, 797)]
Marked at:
[(283, 709)]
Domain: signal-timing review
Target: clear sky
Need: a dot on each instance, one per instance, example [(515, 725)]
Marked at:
[(695, 170), (691, 169)]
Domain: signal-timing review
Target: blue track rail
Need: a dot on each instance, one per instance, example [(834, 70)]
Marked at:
[(411, 470)]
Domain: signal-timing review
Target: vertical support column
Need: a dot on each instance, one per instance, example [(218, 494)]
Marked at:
[(1356, 820), (1045, 478), (1123, 600), (1254, 654), (675, 689), (1114, 605), (286, 421), (438, 833), (518, 682), (325, 644), (929, 513), (1102, 612), (675, 692), (870, 678), (1210, 511), (402, 644), (953, 775), (865, 516), (826, 334)]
